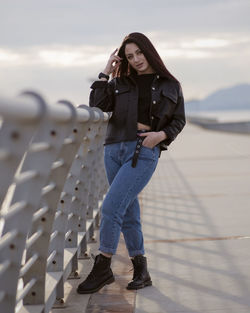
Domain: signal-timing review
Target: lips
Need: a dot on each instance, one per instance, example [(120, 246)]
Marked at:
[(139, 65)]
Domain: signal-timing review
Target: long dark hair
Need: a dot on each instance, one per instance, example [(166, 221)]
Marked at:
[(149, 52)]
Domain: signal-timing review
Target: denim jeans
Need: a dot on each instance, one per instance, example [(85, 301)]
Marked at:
[(120, 209)]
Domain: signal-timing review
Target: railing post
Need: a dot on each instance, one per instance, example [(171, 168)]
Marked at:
[(18, 127), (55, 134), (51, 156)]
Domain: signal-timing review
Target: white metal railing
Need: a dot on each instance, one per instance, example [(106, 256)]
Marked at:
[(51, 186)]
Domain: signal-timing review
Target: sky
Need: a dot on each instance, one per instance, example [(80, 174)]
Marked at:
[(58, 47)]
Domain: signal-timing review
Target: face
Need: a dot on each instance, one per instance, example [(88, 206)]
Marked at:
[(137, 59)]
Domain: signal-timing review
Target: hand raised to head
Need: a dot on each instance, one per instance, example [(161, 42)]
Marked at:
[(113, 62)]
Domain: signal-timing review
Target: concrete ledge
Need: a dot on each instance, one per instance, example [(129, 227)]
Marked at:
[(242, 127)]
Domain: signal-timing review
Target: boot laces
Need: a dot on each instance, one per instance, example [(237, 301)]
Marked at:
[(91, 275), (137, 271)]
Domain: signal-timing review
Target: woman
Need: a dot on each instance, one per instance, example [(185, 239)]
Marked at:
[(147, 108)]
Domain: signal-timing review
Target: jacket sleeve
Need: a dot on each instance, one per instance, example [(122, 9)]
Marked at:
[(102, 95), (178, 120)]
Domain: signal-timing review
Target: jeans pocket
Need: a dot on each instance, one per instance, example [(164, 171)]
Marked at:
[(147, 147), (149, 153)]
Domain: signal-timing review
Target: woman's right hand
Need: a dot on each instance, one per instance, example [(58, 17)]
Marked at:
[(113, 62)]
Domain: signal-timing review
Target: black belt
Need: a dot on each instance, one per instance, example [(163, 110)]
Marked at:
[(138, 147)]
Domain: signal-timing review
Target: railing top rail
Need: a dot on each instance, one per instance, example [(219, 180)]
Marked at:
[(29, 107), (19, 108)]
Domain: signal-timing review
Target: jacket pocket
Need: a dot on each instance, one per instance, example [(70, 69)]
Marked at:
[(122, 94), (121, 89), (166, 105), (170, 95), (163, 112), (122, 97)]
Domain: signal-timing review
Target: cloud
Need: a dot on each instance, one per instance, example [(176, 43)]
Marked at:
[(208, 46), (206, 43), (31, 23), (185, 47), (55, 46), (54, 56), (8, 56)]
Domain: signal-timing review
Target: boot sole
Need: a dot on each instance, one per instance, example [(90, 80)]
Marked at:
[(107, 282), (146, 284)]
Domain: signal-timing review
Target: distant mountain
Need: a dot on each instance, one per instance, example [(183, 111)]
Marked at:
[(232, 98)]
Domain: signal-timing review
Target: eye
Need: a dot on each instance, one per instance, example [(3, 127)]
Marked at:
[(129, 57), (139, 52)]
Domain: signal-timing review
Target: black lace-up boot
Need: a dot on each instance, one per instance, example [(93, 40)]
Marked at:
[(100, 275), (141, 276)]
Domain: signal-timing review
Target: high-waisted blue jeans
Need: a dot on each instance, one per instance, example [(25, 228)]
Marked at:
[(120, 208)]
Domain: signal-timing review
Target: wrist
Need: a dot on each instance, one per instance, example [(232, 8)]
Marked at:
[(162, 135), (106, 72), (103, 76)]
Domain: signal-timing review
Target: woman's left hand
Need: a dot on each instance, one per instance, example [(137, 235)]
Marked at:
[(153, 138)]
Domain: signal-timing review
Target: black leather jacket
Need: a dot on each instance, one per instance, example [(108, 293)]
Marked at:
[(120, 96)]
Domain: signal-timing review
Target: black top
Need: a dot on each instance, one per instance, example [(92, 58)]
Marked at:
[(144, 83)]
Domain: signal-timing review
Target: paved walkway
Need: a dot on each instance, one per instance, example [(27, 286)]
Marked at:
[(196, 213)]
